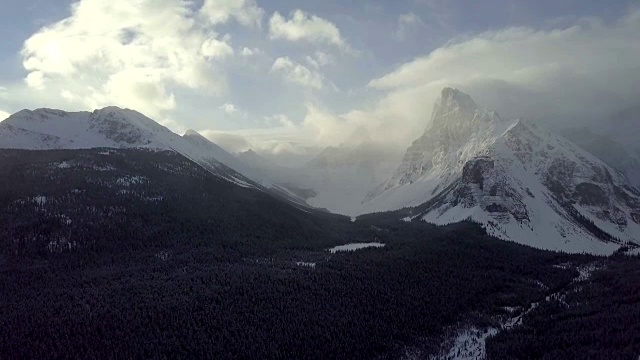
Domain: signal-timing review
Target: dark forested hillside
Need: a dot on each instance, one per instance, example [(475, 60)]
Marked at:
[(595, 319), (138, 254), (115, 201)]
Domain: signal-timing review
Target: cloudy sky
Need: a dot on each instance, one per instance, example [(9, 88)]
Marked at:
[(285, 76)]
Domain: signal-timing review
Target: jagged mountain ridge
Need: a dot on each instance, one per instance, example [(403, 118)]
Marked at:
[(113, 127), (616, 143), (520, 181), (458, 131)]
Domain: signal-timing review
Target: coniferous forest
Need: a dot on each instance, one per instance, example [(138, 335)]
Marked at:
[(135, 254)]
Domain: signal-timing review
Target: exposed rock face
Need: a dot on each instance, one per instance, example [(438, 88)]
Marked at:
[(458, 127), (522, 182)]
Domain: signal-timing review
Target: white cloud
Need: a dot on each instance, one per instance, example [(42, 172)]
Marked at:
[(406, 23), (229, 109), (327, 128), (305, 27), (319, 59), (35, 80), (231, 142), (68, 96), (119, 52), (246, 12), (280, 120), (579, 73), (214, 48), (288, 146), (4, 115), (234, 111), (248, 52), (140, 90), (297, 73), (172, 124)]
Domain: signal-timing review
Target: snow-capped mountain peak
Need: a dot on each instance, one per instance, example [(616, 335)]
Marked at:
[(457, 131), (191, 132), (114, 127), (107, 127), (453, 101), (521, 182)]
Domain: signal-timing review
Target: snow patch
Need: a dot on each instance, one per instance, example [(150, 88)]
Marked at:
[(306, 264), (58, 246), (632, 253), (40, 200), (241, 183), (354, 247), (586, 271), (162, 255), (106, 167), (131, 180), (469, 344), (511, 309)]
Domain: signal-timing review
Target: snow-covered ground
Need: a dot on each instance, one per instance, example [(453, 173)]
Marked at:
[(469, 344), (354, 247), (306, 264), (115, 128), (521, 182), (633, 252)]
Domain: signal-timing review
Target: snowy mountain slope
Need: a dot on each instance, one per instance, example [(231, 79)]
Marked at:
[(287, 181), (112, 127), (109, 127), (458, 131), (619, 156), (521, 182), (209, 154), (614, 141), (16, 138)]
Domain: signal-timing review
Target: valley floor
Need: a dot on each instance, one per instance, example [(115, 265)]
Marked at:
[(405, 299)]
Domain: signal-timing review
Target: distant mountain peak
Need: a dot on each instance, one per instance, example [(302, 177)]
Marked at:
[(248, 152), (112, 109), (456, 110), (452, 100), (197, 138), (458, 130), (357, 137), (191, 132), (448, 95)]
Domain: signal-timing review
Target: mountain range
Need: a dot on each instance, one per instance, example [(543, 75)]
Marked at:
[(521, 182), (113, 127), (118, 236)]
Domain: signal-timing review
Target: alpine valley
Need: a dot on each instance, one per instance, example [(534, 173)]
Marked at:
[(489, 238)]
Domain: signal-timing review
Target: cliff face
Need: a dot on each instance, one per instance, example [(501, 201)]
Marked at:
[(521, 182)]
